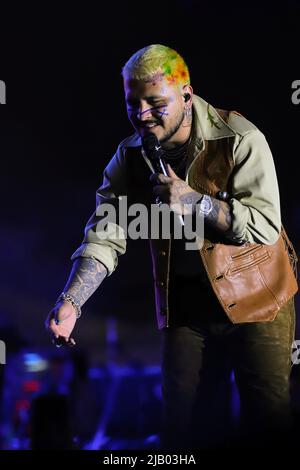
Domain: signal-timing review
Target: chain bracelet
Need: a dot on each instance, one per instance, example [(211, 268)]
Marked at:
[(70, 298)]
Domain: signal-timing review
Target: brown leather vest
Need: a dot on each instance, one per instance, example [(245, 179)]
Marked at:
[(251, 281)]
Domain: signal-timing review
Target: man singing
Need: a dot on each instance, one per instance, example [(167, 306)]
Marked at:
[(232, 296)]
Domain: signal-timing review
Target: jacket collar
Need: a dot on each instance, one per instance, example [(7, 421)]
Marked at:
[(208, 123)]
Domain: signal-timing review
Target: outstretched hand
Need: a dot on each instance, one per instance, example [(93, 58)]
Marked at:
[(60, 323)]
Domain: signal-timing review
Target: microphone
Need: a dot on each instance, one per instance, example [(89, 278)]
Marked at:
[(156, 153)]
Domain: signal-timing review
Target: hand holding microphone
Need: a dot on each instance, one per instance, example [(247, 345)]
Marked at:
[(155, 153)]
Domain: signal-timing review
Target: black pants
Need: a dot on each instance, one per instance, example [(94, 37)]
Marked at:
[(200, 350)]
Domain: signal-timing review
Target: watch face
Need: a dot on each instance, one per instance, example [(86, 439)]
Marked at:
[(205, 205)]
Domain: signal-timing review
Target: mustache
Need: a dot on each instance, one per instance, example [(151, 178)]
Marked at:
[(145, 123)]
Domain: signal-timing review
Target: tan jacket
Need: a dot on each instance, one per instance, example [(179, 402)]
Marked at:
[(250, 273)]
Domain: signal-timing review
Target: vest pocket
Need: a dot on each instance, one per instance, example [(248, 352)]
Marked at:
[(248, 259), (249, 251)]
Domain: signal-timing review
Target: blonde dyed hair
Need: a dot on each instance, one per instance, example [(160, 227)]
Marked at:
[(157, 60)]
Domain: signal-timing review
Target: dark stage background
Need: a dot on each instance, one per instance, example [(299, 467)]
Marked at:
[(63, 120)]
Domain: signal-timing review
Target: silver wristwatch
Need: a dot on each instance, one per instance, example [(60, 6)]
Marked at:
[(205, 206)]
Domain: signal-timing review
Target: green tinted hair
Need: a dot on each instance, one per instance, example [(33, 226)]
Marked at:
[(157, 60)]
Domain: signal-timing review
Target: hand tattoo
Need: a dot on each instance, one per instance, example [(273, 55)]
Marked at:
[(184, 200), (191, 198)]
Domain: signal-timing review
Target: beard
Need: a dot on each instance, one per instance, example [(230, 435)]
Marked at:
[(173, 129)]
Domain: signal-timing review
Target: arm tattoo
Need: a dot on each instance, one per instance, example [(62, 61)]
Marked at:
[(85, 277), (191, 198), (220, 215)]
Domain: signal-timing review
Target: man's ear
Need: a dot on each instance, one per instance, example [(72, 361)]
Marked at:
[(187, 93)]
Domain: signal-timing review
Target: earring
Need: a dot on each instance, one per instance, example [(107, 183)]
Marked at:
[(187, 111)]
